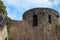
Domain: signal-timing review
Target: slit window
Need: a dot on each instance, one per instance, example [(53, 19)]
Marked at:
[(49, 17), (57, 16), (35, 20)]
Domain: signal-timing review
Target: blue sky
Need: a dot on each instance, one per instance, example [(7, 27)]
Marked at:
[(16, 8)]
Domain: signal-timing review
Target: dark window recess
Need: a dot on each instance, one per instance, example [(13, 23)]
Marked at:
[(43, 14), (35, 20), (57, 16), (6, 38), (49, 17)]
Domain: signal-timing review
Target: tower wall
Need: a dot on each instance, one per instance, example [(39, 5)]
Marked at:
[(46, 22)]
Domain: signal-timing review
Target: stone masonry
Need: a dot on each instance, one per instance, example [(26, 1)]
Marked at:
[(46, 20), (37, 24)]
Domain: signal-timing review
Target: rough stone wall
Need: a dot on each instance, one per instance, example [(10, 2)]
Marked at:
[(45, 30), (20, 30), (42, 13), (24, 30)]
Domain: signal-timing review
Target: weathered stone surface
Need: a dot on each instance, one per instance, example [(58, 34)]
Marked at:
[(46, 29), (24, 30)]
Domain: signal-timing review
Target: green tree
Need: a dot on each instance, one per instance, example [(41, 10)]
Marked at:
[(2, 6), (9, 21)]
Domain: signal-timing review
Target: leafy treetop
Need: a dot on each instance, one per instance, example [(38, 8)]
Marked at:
[(3, 7)]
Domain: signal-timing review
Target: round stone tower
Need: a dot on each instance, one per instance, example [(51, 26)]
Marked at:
[(45, 16), (43, 22)]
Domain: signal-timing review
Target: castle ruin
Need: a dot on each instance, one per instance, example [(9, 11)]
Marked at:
[(37, 24)]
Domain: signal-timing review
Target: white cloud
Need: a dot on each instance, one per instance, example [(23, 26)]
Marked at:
[(11, 2), (30, 3), (55, 2), (26, 3), (23, 5)]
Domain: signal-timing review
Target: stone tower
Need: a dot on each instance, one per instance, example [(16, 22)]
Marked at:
[(43, 22)]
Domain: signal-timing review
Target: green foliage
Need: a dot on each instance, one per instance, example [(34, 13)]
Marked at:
[(9, 37), (9, 21), (3, 7), (4, 11), (8, 28)]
